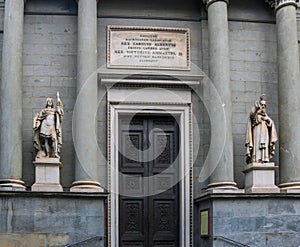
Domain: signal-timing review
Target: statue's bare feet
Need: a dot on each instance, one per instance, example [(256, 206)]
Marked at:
[(56, 155)]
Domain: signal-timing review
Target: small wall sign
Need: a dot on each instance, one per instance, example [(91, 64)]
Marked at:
[(205, 223)]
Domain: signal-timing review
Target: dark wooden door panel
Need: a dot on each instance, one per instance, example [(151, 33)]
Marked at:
[(149, 220), (132, 216)]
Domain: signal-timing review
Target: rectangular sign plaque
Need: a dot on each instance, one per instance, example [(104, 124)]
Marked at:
[(204, 223), (148, 48)]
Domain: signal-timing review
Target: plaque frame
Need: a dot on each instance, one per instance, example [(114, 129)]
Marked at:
[(205, 223), (182, 31)]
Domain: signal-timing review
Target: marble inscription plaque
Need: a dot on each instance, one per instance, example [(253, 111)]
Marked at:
[(148, 48)]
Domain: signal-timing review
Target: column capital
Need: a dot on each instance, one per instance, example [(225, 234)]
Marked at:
[(209, 2), (277, 4)]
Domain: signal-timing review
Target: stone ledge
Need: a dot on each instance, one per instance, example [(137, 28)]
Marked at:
[(245, 196), (260, 166), (63, 194), (47, 161)]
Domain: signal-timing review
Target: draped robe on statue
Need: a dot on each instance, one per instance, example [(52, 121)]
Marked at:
[(261, 137)]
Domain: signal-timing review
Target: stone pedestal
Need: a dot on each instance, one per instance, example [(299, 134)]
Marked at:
[(260, 178), (47, 175)]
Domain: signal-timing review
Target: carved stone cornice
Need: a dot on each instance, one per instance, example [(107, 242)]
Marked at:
[(209, 2), (277, 4)]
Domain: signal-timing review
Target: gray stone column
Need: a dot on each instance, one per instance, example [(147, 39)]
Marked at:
[(219, 68), (11, 98), (86, 162), (288, 92)]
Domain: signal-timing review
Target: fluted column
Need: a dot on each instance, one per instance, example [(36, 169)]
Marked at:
[(86, 162), (11, 98), (288, 93), (219, 72)]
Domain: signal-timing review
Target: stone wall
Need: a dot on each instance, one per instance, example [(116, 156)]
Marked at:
[(253, 72), (49, 219), (254, 220), (50, 49), (50, 43)]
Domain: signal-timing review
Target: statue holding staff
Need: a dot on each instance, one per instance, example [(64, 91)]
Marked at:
[(261, 134), (48, 130)]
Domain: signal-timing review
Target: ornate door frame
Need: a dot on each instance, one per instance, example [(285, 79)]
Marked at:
[(176, 102)]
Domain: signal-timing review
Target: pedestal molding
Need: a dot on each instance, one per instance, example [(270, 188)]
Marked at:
[(260, 166)]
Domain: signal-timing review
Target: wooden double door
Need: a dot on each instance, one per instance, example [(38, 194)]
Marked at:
[(149, 192)]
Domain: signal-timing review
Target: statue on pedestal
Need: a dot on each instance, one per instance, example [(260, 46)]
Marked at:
[(48, 130), (261, 134)]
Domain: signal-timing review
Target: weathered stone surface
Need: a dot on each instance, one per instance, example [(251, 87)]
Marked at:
[(257, 220), (52, 220), (32, 239)]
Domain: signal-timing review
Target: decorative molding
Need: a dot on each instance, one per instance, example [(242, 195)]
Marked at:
[(186, 188), (277, 4), (150, 79), (209, 2)]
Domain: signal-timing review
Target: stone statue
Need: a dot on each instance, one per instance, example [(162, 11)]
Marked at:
[(261, 134), (47, 129)]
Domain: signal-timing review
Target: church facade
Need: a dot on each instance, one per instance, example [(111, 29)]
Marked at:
[(155, 104)]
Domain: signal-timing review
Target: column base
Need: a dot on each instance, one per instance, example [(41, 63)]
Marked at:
[(12, 185), (47, 176), (292, 187), (86, 186), (223, 187), (260, 178)]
